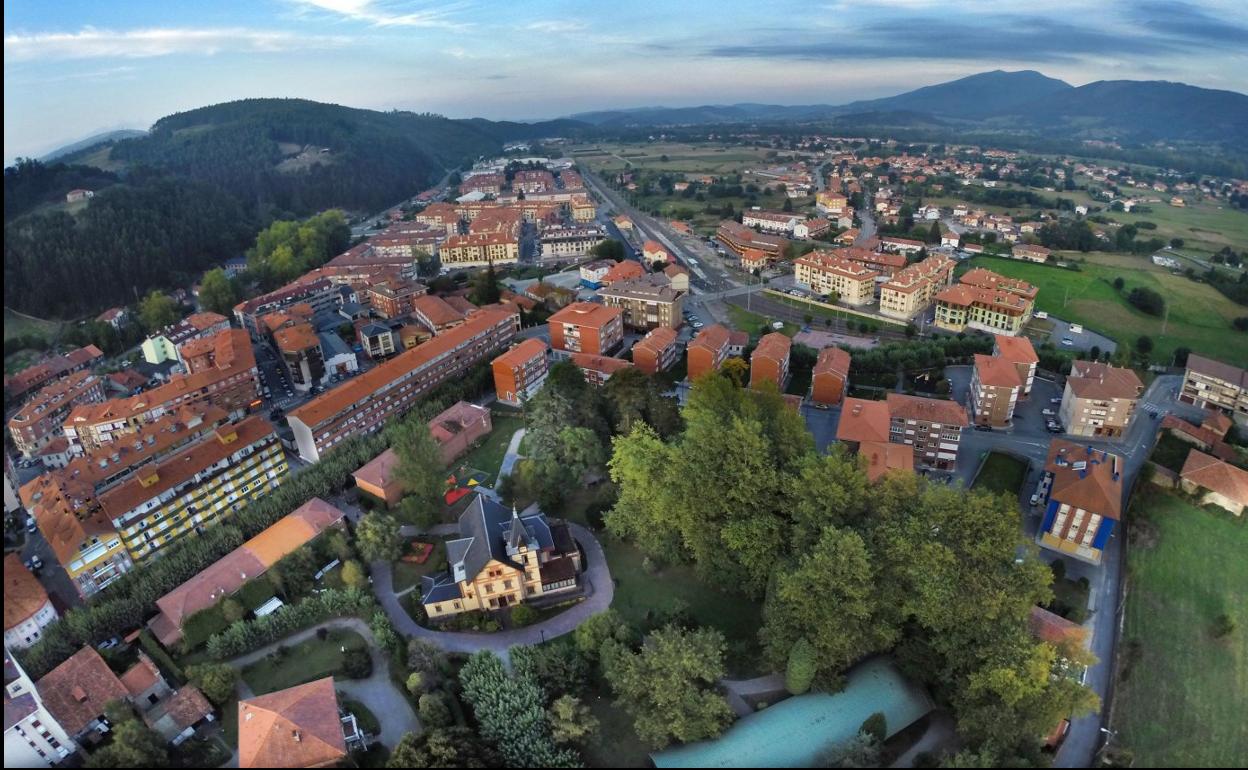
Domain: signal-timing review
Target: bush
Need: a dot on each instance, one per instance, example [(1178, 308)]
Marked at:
[(357, 664), (875, 726), (433, 711), (800, 672), (1147, 300), (245, 636), (1223, 626), (215, 680), (524, 615), (416, 682)]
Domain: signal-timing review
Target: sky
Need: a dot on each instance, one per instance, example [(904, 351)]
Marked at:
[(76, 67)]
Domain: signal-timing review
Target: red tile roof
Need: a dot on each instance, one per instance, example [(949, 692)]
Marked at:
[(863, 421), (24, 595), (1086, 478), (1016, 350), (75, 691), (295, 727), (1090, 379), (1216, 476), (882, 457), (1055, 629), (996, 372), (926, 409)]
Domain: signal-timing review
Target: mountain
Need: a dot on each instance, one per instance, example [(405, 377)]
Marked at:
[(982, 95), (90, 142)]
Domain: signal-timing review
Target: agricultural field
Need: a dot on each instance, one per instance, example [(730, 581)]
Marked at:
[(1199, 316), (1183, 686)]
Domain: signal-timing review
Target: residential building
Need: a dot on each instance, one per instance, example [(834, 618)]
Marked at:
[(42, 417), (479, 250), (300, 349), (592, 273), (1099, 399), (48, 370), (197, 487), (738, 237), (770, 221), (27, 608), (378, 340), (707, 351), (490, 184), (559, 242), (679, 276), (339, 358), (76, 691), (627, 270), (74, 196), (738, 341), (300, 726), (501, 560), (770, 361), (226, 576), (885, 263), (1081, 492), (828, 202), (932, 426), (436, 313), (164, 346), (985, 301), (995, 391), (320, 293), (658, 351), (647, 302), (864, 428), (597, 369), (1031, 252), (1212, 384), (826, 273), (177, 716), (115, 317), (895, 245), (1019, 352), (533, 181), (32, 736), (756, 260), (653, 251), (913, 288), (587, 327), (364, 403), (811, 228), (830, 377), (393, 299), (520, 372), (1213, 481)]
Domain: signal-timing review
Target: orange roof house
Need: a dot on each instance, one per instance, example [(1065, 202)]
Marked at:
[(76, 691), (1083, 499), (295, 727), (24, 598), (830, 376), (1217, 482), (707, 351), (770, 361), (863, 421), (882, 457), (623, 271)]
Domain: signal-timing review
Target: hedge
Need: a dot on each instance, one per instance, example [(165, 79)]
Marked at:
[(247, 635)]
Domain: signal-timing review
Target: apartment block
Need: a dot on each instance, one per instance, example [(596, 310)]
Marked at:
[(1099, 399), (1081, 493), (932, 426), (707, 351), (995, 391), (598, 369), (79, 533), (164, 346), (569, 241), (1019, 352), (648, 302), (830, 377), (885, 263), (770, 221), (826, 273), (33, 736), (42, 417), (1212, 384), (437, 314), (320, 293), (770, 361), (657, 352), (47, 371), (393, 299), (520, 372), (479, 250), (897, 245), (27, 608), (300, 349), (985, 301), (913, 288), (587, 327), (738, 237), (196, 488), (364, 403)]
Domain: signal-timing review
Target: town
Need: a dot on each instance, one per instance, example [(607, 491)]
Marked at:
[(637, 438)]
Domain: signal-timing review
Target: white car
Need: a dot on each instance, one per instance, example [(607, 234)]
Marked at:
[(1067, 341), (1048, 412)]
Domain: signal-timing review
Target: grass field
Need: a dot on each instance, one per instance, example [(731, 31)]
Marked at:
[(304, 662), (1001, 474), (742, 319), (1199, 316), (488, 456), (18, 325), (1183, 693)]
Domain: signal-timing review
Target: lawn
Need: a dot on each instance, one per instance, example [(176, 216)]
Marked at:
[(616, 743), (1199, 316), (488, 455), (305, 662), (1183, 693), (743, 319), (1001, 474), (408, 574), (367, 720), (18, 325)]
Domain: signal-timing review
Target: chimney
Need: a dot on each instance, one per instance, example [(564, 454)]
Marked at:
[(295, 734)]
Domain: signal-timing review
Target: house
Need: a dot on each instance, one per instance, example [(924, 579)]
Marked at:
[(115, 317), (881, 458), (995, 391), (895, 245), (811, 228), (653, 251), (177, 716), (985, 301), (1099, 399), (32, 736), (756, 259), (598, 369), (1081, 492), (127, 382), (622, 271), (1019, 352), (1215, 482), (770, 361), (1211, 384), (168, 343), (300, 726), (76, 691), (623, 222), (1031, 252), (587, 327), (864, 428), (657, 352), (501, 560), (932, 426), (738, 341), (830, 377), (520, 372), (950, 238), (592, 273), (377, 340), (436, 313), (1207, 439), (27, 608), (707, 351), (73, 196)]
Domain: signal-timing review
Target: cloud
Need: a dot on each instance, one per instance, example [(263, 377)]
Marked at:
[(1170, 18), (92, 43), (556, 26), (384, 14)]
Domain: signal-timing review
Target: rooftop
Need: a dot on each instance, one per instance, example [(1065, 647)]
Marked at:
[(76, 691), (996, 372), (1016, 350), (24, 595), (901, 406), (863, 421), (295, 727), (521, 354), (1215, 475), (1090, 379), (587, 314), (1086, 478)]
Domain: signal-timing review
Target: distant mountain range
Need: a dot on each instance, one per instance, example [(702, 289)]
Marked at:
[(1017, 101), (91, 141)]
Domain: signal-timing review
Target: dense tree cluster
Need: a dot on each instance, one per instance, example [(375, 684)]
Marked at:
[(511, 714), (287, 249), (30, 183)]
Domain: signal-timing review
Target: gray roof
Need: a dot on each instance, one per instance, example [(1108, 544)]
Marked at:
[(438, 587), (488, 531), (374, 329), (332, 345)]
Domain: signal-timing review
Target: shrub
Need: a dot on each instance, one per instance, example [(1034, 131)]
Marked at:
[(433, 710), (245, 636), (524, 615), (1147, 300), (800, 671), (1223, 626), (876, 726), (215, 680), (416, 682), (357, 664)]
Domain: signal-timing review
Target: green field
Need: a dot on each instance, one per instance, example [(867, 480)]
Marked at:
[(1199, 316), (488, 455), (304, 662), (18, 325), (1183, 693), (1001, 474), (742, 319)]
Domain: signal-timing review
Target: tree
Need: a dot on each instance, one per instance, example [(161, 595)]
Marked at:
[(357, 663), (1144, 344), (485, 289), (599, 629), (377, 537), (510, 714), (736, 370), (799, 674), (295, 574), (1176, 243), (933, 234), (609, 249), (157, 310), (559, 668), (570, 720), (876, 726), (863, 750), (668, 687), (215, 680), (1119, 283), (420, 467), (433, 711), (353, 574), (788, 205), (416, 683), (1147, 300), (232, 610), (216, 293), (443, 747), (134, 745)]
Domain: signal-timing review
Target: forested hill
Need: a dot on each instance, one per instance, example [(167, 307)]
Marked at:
[(30, 184)]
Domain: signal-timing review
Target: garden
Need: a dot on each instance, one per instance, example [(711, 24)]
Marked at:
[(332, 652)]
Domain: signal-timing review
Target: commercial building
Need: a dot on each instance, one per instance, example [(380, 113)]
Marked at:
[(657, 352), (830, 377), (479, 250), (823, 272), (932, 426), (569, 241), (587, 327), (913, 288), (42, 417), (520, 372), (501, 559), (707, 351), (1081, 492), (196, 488), (897, 245), (164, 346), (1212, 384), (1019, 352), (648, 302), (27, 608), (363, 404), (598, 369), (1099, 399), (995, 391), (738, 237), (770, 361), (985, 301)]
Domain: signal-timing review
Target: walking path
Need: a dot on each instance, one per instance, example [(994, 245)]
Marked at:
[(513, 454), (736, 690), (394, 713), (940, 734)]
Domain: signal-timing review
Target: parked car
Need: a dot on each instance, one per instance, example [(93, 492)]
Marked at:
[(31, 526), (1035, 498), (1067, 341), (108, 644), (1048, 412), (1055, 400), (982, 427), (34, 563)]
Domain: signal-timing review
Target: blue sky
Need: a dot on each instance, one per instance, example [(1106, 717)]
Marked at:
[(72, 68)]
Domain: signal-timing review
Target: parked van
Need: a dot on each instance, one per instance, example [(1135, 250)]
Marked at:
[(1042, 315), (1076, 329)]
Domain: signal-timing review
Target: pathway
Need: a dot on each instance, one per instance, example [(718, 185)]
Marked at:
[(736, 690), (377, 692), (940, 734), (513, 454)]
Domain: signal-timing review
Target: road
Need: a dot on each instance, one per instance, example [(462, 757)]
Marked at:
[(866, 231)]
